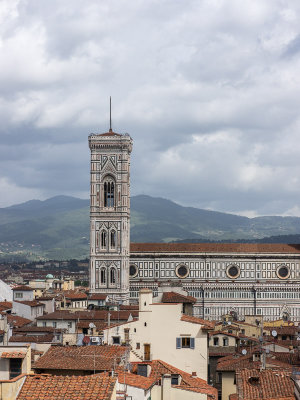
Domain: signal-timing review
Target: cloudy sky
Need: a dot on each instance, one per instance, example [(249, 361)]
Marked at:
[(209, 90)]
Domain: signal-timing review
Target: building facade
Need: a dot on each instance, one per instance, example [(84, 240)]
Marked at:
[(244, 279), (110, 214)]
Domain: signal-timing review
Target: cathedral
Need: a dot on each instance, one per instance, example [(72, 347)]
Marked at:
[(244, 279)]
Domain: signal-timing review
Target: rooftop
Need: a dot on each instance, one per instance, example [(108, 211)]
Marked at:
[(266, 384), (23, 288), (214, 248), (50, 387), (159, 368), (84, 358), (173, 297)]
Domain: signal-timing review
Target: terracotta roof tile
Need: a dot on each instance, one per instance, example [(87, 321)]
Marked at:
[(214, 248), (6, 304), (195, 320), (23, 288), (16, 321), (38, 329), (266, 384), (75, 295), (173, 297), (50, 387), (135, 380), (13, 354), (80, 358), (109, 133), (97, 296), (31, 303), (236, 361), (32, 339), (100, 315), (160, 368)]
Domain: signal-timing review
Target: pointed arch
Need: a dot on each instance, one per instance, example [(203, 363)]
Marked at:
[(113, 239), (103, 239), (113, 276), (102, 276), (109, 191)]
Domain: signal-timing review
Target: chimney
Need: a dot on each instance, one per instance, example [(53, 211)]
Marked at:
[(166, 387)]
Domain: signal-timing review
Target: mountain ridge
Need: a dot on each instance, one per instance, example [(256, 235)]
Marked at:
[(60, 226)]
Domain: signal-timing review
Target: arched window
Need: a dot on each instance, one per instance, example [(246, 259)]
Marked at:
[(109, 193), (103, 239), (103, 276), (112, 276), (113, 239)]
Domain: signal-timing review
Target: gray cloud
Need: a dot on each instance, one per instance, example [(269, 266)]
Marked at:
[(208, 90)]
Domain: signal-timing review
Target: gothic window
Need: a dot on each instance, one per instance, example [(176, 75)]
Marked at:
[(103, 239), (103, 276), (112, 276), (113, 239), (109, 193)]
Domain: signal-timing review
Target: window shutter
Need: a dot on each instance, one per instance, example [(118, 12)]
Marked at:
[(178, 343), (192, 343)]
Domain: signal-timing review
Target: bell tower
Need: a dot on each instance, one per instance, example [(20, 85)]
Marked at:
[(110, 214)]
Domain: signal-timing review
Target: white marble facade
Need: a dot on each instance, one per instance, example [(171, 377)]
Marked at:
[(110, 214), (262, 279), (247, 279)]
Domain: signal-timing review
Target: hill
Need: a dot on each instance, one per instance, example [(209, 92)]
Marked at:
[(59, 227)]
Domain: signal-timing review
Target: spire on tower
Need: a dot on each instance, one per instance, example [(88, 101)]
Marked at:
[(110, 128)]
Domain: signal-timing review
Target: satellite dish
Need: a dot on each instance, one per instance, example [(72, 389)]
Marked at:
[(274, 333), (91, 325), (244, 352)]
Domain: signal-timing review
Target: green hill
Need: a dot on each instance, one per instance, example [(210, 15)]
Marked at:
[(59, 227)]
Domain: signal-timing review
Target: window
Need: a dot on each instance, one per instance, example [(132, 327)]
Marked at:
[(15, 367), (283, 272), (109, 193), (185, 343), (216, 341), (142, 370), (133, 270), (54, 324), (116, 339), (112, 276), (182, 271), (103, 239), (225, 341), (174, 379), (102, 276), (138, 346), (19, 295), (113, 239), (44, 323), (233, 271), (69, 324)]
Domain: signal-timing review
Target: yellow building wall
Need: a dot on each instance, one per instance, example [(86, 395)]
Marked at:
[(228, 386)]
